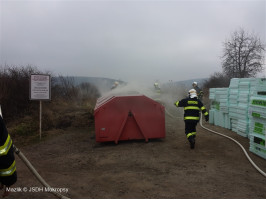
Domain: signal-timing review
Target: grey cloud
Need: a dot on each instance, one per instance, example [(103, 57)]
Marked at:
[(129, 40)]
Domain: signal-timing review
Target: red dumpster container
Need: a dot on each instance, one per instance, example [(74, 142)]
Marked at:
[(127, 118)]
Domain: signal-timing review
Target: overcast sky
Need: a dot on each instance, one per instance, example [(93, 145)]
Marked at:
[(128, 40)]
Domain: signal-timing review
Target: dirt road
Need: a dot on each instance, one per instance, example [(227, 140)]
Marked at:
[(167, 168)]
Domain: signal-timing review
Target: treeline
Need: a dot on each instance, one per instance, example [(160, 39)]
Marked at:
[(15, 91), (243, 57)]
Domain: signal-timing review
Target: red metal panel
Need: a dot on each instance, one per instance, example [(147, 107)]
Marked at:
[(127, 118)]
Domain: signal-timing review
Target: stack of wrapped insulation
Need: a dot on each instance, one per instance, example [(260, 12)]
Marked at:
[(242, 108), (219, 107), (232, 101), (257, 119), (213, 105)]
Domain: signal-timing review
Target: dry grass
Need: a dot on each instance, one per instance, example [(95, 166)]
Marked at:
[(56, 118)]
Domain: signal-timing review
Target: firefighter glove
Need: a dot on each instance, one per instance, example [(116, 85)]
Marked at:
[(207, 118)]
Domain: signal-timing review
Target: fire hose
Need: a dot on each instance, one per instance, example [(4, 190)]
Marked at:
[(220, 134), (35, 173), (33, 170)]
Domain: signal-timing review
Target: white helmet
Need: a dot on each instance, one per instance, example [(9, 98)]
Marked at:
[(194, 83), (192, 93)]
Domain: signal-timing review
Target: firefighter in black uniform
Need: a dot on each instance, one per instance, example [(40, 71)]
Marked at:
[(8, 174), (198, 90), (192, 107)]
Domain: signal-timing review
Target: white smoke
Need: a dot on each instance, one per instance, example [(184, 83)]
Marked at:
[(168, 95)]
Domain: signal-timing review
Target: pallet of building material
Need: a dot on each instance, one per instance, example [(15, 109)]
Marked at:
[(258, 150), (259, 88), (212, 93), (234, 83), (221, 93), (257, 107), (227, 123), (257, 126), (220, 118), (243, 97), (233, 96), (215, 105), (211, 116), (224, 105), (257, 145), (233, 124), (243, 128), (233, 111)]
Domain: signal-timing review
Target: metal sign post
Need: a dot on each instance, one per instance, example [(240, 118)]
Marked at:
[(40, 89), (40, 119)]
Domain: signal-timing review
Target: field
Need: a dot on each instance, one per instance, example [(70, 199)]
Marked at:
[(162, 168)]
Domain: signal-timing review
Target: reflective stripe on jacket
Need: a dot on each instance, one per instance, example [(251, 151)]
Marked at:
[(8, 171), (6, 146), (192, 108), (7, 159)]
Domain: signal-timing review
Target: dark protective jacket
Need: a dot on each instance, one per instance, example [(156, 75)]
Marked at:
[(192, 108), (199, 92), (8, 175)]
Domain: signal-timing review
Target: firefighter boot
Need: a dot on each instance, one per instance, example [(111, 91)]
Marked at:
[(192, 142)]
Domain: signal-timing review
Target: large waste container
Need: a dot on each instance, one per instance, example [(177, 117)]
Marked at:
[(128, 118)]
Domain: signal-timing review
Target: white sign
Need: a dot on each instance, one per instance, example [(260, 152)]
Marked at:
[(40, 87)]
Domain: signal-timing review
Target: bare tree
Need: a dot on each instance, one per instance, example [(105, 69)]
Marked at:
[(68, 89), (243, 55), (88, 90)]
